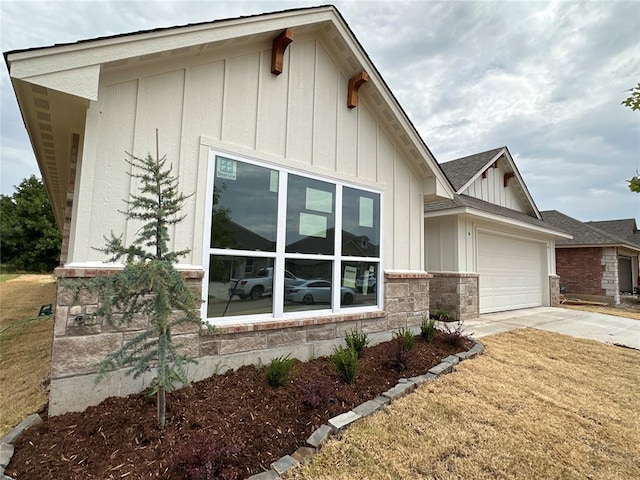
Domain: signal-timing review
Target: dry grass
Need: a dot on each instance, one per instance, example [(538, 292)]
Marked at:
[(534, 405), (25, 347)]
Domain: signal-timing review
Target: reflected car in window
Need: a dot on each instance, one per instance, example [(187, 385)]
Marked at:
[(368, 283), (318, 291)]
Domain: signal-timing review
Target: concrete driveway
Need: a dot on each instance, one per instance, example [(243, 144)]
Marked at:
[(594, 326)]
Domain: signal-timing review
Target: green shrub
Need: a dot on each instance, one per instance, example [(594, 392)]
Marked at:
[(278, 371), (428, 329), (407, 336), (356, 341), (345, 363), (442, 314)]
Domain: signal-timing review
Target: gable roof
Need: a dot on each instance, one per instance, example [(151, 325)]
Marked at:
[(624, 228), (475, 206), (65, 77), (584, 234), (462, 172)]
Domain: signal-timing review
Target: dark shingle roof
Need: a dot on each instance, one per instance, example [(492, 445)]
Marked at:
[(623, 228), (461, 170), (583, 233), (459, 201)]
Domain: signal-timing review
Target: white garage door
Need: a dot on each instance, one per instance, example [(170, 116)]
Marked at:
[(511, 273)]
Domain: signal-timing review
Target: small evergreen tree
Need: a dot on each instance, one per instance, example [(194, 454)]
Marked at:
[(149, 285)]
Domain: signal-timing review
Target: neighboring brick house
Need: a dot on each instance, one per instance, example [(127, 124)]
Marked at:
[(601, 261)]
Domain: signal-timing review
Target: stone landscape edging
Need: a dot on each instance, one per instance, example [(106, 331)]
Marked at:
[(315, 441), (339, 423)]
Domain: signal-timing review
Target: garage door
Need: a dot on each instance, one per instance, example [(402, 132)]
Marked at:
[(511, 273)]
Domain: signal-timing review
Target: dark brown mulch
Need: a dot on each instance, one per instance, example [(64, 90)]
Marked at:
[(236, 422)]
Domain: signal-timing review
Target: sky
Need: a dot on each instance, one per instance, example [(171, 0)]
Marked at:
[(546, 79)]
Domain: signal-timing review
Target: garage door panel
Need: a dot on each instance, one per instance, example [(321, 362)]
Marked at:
[(510, 273)]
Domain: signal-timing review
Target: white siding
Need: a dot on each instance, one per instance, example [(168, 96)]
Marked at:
[(231, 101), (492, 189), (441, 244)]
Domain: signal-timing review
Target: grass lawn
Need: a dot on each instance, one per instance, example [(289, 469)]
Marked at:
[(25, 347), (534, 405)]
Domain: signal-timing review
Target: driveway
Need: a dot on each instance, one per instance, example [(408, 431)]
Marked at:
[(594, 326)]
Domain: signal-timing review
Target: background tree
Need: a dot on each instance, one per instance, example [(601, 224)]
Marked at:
[(149, 285), (633, 102), (29, 237)]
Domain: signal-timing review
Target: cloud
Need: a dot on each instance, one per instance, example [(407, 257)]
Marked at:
[(544, 78)]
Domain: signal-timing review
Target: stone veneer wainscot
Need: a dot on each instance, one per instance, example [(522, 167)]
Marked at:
[(81, 340)]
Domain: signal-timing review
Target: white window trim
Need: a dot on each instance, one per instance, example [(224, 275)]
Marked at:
[(280, 256)]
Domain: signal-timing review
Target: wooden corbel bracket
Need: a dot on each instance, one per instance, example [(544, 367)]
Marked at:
[(280, 44), (355, 83), (507, 177)]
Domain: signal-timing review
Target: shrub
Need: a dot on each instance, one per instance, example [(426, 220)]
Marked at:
[(357, 341), (278, 371), (345, 363), (407, 338), (401, 355), (455, 336), (442, 314), (317, 393), (204, 459), (428, 329)]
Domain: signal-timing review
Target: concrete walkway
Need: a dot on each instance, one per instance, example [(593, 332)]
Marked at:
[(594, 326)]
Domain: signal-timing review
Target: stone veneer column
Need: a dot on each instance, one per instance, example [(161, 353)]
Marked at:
[(554, 290), (456, 292), (406, 298), (610, 279)]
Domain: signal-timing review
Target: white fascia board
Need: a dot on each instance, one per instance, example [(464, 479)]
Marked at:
[(46, 60), (498, 218)]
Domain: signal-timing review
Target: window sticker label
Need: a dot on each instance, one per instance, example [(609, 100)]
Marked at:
[(365, 282), (366, 212), (227, 169), (318, 200), (350, 274), (273, 182), (312, 225)]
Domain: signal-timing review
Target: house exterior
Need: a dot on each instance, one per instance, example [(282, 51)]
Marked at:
[(305, 172), (601, 260), (488, 247)]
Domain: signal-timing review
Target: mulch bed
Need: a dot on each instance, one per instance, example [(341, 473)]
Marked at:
[(229, 426)]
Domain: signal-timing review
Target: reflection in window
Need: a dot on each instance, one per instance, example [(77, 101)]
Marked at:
[(309, 287), (360, 223), (310, 216), (362, 278), (239, 286), (245, 206), (252, 207)]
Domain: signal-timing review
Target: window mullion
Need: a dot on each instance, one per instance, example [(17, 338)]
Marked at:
[(337, 250), (281, 239)]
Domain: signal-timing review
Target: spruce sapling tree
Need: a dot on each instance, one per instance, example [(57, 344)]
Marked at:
[(149, 286)]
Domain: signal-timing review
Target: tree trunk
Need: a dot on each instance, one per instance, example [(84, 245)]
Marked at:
[(162, 410)]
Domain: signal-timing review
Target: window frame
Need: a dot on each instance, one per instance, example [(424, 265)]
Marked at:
[(280, 255)]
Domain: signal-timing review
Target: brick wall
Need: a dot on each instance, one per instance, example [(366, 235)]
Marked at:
[(580, 270), (589, 273), (81, 340)]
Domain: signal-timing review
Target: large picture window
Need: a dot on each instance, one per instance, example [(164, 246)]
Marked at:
[(281, 243)]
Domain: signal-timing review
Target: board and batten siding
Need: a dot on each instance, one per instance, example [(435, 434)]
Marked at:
[(491, 189), (230, 101)]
